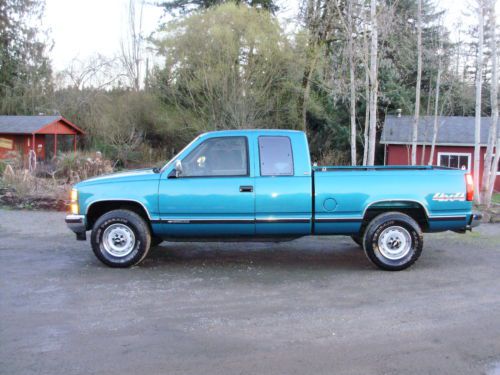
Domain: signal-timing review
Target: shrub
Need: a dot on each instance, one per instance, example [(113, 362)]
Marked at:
[(333, 157), (3, 165), (14, 159), (74, 167), (25, 184)]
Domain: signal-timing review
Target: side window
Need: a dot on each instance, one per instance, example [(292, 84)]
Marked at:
[(276, 158), (225, 156)]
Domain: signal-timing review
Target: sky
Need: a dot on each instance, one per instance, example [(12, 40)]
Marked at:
[(83, 28)]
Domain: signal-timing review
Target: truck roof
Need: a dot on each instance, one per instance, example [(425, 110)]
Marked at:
[(247, 131)]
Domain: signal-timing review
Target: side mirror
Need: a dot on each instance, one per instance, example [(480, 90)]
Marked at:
[(178, 168), (177, 171)]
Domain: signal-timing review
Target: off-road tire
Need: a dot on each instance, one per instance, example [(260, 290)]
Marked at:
[(357, 239), (392, 220), (132, 221), (155, 241)]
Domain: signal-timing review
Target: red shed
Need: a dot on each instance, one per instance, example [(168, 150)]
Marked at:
[(454, 143), (46, 135)]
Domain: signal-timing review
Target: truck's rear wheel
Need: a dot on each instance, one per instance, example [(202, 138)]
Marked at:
[(120, 238), (393, 241), (357, 239)]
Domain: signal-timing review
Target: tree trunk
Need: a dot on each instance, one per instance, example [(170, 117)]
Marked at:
[(490, 167), (479, 76), (366, 54), (493, 176), (427, 113), (306, 84), (373, 83), (416, 119), (436, 113), (352, 83), (312, 56), (367, 117)]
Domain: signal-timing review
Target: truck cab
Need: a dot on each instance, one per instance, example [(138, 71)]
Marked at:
[(238, 183)]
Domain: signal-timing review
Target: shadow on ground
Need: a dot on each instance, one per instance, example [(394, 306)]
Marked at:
[(291, 255)]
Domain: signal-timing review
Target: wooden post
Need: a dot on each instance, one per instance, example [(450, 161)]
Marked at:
[(55, 145), (74, 142)]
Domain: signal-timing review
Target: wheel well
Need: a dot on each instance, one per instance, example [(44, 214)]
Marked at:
[(98, 209), (413, 209)]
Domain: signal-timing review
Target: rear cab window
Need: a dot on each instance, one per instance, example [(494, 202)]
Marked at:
[(276, 156)]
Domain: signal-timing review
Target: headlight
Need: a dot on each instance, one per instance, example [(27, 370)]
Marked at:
[(74, 202)]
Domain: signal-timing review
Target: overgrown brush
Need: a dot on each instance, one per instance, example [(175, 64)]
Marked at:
[(333, 157), (24, 184), (12, 158), (74, 167), (67, 169)]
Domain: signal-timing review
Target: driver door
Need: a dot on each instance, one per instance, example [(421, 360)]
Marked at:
[(214, 194)]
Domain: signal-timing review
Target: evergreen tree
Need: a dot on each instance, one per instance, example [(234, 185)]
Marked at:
[(187, 6), (25, 70)]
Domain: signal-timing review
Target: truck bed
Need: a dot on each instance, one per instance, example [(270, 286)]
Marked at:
[(343, 195)]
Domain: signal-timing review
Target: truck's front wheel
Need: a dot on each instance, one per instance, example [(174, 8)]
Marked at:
[(120, 238), (393, 241)]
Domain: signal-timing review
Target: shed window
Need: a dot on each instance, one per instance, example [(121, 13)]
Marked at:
[(276, 158), (454, 160)]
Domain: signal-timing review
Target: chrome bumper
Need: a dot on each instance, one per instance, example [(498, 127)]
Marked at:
[(77, 224), (475, 220)]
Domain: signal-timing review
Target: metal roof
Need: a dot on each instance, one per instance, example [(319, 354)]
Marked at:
[(452, 130), (29, 124)]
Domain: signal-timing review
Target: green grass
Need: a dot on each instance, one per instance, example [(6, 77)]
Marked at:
[(495, 198)]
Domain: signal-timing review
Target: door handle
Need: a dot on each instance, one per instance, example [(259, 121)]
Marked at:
[(246, 189)]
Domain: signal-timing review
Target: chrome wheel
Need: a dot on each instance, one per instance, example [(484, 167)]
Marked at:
[(118, 240), (395, 243)]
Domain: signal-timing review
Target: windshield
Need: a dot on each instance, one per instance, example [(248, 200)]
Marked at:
[(180, 152)]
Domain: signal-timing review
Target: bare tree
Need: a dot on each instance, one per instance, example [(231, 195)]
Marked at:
[(493, 175), (349, 28), (132, 48), (352, 79), (367, 116), (373, 83), (98, 72), (312, 23), (416, 119), (366, 56), (479, 77), (490, 166), (436, 104)]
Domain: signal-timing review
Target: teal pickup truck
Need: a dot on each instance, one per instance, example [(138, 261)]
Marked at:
[(259, 185)]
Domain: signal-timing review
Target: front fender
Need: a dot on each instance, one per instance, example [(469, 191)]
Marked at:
[(144, 193)]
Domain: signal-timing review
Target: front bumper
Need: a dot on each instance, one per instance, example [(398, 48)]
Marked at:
[(475, 220), (77, 224)]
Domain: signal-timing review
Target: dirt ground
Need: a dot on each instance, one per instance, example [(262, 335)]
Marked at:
[(311, 306)]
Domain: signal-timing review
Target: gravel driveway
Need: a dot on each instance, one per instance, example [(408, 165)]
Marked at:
[(311, 306)]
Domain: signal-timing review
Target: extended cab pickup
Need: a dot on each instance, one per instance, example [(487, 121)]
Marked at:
[(260, 184)]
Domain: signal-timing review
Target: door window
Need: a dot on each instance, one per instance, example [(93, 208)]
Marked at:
[(224, 156), (276, 158)]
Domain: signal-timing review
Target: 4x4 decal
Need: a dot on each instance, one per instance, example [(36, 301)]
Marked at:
[(443, 197)]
